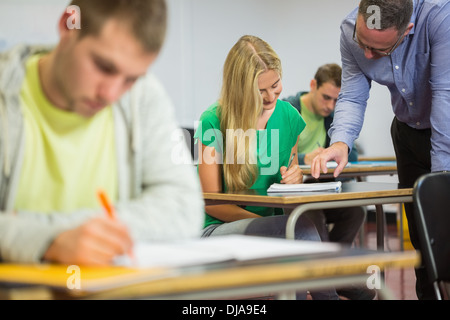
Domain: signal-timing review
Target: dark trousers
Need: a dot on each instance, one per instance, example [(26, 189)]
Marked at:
[(412, 149), (346, 223)]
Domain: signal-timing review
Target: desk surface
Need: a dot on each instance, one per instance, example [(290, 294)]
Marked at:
[(385, 158), (224, 281), (350, 191), (228, 282)]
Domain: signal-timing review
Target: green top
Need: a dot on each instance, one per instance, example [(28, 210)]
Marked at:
[(314, 135), (274, 145)]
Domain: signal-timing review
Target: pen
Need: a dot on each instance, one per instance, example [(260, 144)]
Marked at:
[(106, 204), (290, 161), (109, 209)]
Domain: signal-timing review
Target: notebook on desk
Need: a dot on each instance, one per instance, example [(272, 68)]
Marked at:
[(330, 165), (356, 164), (219, 249), (334, 186), (156, 261)]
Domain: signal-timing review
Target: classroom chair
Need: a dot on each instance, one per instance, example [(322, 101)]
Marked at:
[(189, 137), (431, 198)]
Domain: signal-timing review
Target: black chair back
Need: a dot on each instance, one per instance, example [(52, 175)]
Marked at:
[(432, 212)]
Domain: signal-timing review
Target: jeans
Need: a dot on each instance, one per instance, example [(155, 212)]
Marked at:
[(346, 223)]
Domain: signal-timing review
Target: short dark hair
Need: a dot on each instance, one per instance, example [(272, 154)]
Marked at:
[(394, 13), (331, 72), (147, 19)]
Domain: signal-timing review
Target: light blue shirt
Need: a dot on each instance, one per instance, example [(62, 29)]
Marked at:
[(417, 75)]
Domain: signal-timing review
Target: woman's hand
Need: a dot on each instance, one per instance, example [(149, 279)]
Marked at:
[(291, 176)]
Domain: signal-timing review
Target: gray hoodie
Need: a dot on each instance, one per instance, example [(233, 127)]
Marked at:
[(159, 196)]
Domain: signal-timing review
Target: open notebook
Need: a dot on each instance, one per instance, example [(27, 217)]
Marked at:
[(334, 186), (220, 249)]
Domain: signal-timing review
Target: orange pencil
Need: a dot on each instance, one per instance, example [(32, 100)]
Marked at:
[(109, 209), (106, 204)]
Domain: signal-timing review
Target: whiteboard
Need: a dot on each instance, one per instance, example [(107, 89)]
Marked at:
[(305, 34)]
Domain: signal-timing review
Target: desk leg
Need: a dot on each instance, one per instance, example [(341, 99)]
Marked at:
[(297, 212), (385, 294), (402, 235), (381, 222), (378, 202)]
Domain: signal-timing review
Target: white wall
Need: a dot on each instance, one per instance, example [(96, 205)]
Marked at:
[(305, 34)]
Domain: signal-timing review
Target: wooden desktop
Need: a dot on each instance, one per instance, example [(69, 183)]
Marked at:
[(352, 194)]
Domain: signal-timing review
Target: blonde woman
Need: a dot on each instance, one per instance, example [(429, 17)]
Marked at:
[(246, 140)]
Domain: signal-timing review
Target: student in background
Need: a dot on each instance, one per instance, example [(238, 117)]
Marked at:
[(404, 45), (246, 141), (316, 108), (86, 115)]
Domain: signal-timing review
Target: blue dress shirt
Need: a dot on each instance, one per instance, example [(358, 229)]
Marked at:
[(417, 74)]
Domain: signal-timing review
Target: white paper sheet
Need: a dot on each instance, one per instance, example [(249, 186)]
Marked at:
[(220, 249)]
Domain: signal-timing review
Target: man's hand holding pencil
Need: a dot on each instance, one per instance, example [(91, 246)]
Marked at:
[(97, 242)]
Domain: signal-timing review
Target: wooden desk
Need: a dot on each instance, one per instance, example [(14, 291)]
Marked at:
[(387, 158), (303, 273), (353, 194), (273, 278)]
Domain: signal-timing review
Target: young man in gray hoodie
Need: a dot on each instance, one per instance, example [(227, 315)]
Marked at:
[(83, 116)]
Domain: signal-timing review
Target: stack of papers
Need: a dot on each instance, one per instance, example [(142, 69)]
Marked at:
[(301, 187), (330, 165)]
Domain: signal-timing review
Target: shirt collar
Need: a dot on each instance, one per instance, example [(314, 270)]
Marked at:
[(417, 4)]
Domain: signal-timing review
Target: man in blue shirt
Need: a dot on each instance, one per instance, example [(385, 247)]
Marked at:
[(404, 45)]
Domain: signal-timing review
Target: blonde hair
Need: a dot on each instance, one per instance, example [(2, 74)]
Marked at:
[(240, 105)]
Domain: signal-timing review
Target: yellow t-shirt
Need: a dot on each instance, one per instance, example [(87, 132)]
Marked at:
[(67, 158), (314, 133)]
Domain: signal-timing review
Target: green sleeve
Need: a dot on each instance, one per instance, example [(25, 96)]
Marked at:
[(208, 130), (297, 123)]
